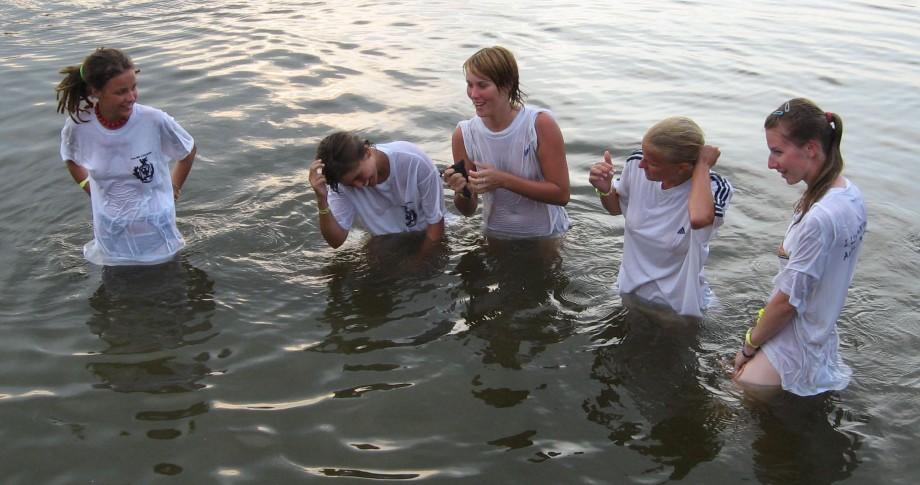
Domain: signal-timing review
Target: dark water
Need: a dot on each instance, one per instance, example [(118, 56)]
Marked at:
[(263, 356)]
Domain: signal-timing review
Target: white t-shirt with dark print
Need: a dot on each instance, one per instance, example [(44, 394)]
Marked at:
[(134, 212), (663, 257), (822, 250), (410, 199)]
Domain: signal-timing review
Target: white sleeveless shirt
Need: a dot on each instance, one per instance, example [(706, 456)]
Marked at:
[(506, 214)]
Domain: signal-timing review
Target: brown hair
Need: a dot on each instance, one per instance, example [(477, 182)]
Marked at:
[(498, 64), (678, 139), (801, 120), (340, 153), (73, 92)]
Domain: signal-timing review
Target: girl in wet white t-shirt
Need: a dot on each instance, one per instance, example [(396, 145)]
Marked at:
[(392, 188), (119, 152), (673, 204), (797, 329)]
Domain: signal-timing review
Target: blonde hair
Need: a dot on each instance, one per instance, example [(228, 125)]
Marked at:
[(678, 139), (498, 64), (801, 121)]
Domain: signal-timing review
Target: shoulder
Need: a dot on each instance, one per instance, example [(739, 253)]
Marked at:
[(635, 156)]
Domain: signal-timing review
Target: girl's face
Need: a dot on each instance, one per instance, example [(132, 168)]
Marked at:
[(487, 98), (793, 162), (657, 169), (364, 174), (117, 97)]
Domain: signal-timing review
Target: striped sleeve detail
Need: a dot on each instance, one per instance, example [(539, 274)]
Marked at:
[(635, 156), (721, 193)]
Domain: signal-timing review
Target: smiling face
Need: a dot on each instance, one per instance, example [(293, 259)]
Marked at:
[(487, 97), (795, 163), (117, 97)]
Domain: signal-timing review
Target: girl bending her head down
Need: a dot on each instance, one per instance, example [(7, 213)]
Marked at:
[(510, 153), (119, 152), (797, 329), (391, 187), (673, 204)]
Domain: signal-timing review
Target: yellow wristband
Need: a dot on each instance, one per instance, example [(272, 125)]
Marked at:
[(747, 339), (325, 211), (83, 183), (759, 316), (602, 194)]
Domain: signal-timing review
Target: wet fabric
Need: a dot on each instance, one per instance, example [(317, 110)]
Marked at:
[(663, 257), (822, 250), (134, 212), (508, 215), (410, 199)]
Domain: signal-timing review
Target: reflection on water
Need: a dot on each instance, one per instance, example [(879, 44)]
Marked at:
[(373, 285), (508, 286), (798, 440), (144, 310), (148, 309), (651, 398)]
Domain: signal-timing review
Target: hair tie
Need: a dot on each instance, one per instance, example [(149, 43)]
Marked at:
[(829, 116), (82, 76)]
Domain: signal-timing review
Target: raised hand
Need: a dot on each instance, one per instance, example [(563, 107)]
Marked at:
[(601, 174), (318, 180), (708, 155)]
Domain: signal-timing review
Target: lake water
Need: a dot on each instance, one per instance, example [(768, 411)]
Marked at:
[(264, 356)]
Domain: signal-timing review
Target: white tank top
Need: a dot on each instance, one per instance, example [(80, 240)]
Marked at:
[(508, 215)]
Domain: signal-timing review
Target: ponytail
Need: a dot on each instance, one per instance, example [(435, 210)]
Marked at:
[(804, 121), (73, 92)]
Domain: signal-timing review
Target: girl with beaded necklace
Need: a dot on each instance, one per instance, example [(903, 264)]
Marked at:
[(118, 152)]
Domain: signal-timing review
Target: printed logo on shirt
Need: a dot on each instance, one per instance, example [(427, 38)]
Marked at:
[(681, 231), (852, 243), (411, 215), (144, 171)]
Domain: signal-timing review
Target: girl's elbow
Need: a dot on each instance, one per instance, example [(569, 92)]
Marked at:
[(700, 222)]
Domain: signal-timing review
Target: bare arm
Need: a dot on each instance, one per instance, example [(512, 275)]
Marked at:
[(700, 203), (181, 170), (331, 230), (777, 314), (553, 189), (78, 173), (601, 178), (456, 181)]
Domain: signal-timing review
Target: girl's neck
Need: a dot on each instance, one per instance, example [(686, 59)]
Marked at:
[(109, 123), (502, 119)]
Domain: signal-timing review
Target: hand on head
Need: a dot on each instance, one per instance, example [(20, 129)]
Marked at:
[(318, 180), (708, 155), (601, 175)]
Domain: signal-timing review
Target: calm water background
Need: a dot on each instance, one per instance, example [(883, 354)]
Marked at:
[(266, 357)]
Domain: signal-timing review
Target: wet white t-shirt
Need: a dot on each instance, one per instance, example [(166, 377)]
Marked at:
[(822, 250), (134, 213), (506, 214), (663, 257), (410, 199)]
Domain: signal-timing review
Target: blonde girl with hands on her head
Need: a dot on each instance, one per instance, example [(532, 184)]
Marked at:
[(119, 152), (673, 205)]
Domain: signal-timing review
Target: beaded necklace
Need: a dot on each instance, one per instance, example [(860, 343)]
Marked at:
[(112, 125)]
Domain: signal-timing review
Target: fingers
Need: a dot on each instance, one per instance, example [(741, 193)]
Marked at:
[(607, 157)]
